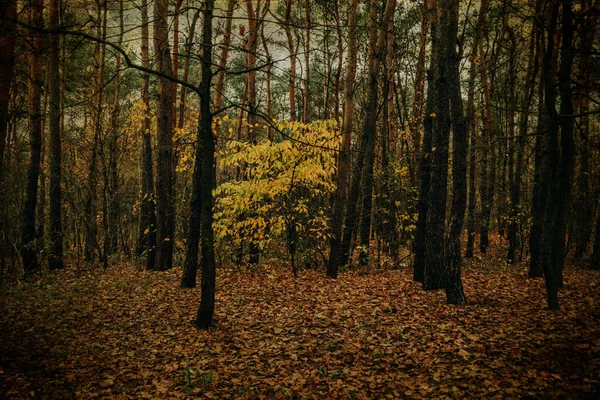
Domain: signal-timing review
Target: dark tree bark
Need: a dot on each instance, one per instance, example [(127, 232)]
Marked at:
[(147, 221), (28, 245), (583, 202), (538, 200), (165, 207), (204, 318), (55, 256), (352, 209), (418, 103), (190, 266), (8, 35), (595, 257), (370, 127), (344, 165), (559, 153), (436, 213), (425, 162), (460, 146)]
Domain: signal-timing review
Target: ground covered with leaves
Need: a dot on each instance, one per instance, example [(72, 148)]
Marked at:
[(128, 333)]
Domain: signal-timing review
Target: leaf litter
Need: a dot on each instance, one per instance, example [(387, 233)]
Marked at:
[(123, 333)]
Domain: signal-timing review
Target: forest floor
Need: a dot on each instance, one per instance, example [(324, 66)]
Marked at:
[(127, 333)]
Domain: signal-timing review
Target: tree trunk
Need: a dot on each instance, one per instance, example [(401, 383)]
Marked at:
[(114, 209), (488, 169), (28, 245), (344, 165), (55, 256), (204, 318), (425, 163), (306, 108), (595, 257), (583, 203), (527, 99), (436, 214), (91, 229), (220, 84), (190, 266), (417, 108), (460, 146), (8, 36), (147, 226), (369, 130), (164, 170)]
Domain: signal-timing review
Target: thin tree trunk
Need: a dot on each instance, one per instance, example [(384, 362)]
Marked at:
[(28, 245), (369, 130), (305, 111), (220, 84), (460, 146), (425, 163), (8, 36), (91, 239), (595, 257), (114, 210), (514, 227), (488, 170), (190, 266), (204, 318), (436, 214), (583, 225), (344, 165), (147, 227), (267, 71), (165, 206), (186, 70), (417, 109), (55, 256)]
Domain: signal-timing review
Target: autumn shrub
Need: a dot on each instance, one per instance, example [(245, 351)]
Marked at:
[(279, 196)]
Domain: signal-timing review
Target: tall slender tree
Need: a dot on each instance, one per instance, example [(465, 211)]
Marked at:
[(55, 257), (28, 245), (147, 220), (165, 207), (204, 318), (344, 165)]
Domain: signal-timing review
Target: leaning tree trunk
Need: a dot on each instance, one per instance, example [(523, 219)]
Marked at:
[(165, 207), (28, 245)]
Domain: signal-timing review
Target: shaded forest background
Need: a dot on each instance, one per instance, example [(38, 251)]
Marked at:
[(314, 134)]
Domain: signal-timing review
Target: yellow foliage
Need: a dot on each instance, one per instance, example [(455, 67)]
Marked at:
[(279, 182)]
